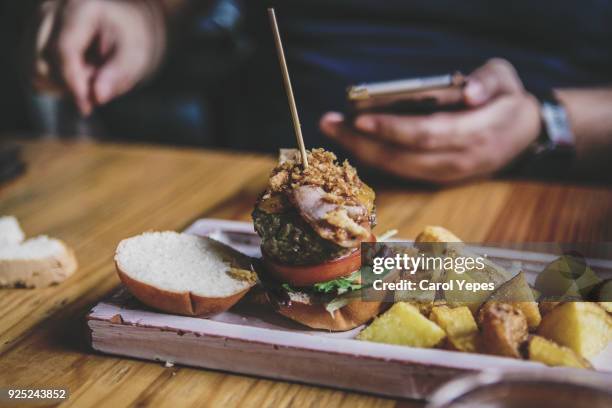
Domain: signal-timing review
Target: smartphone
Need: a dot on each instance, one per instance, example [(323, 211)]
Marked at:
[(408, 96)]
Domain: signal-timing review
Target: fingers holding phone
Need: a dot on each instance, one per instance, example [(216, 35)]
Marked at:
[(496, 77), (491, 122)]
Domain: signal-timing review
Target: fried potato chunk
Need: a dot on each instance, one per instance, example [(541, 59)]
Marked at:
[(403, 324), (531, 312), (547, 305), (518, 293), (607, 306), (584, 327), (470, 343), (459, 325), (432, 233), (552, 354), (504, 329), (425, 306)]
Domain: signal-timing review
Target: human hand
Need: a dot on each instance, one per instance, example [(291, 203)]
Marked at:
[(501, 121), (98, 49)]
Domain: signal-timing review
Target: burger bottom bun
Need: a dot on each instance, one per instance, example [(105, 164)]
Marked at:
[(346, 318)]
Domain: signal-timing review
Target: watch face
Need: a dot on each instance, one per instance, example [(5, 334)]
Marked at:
[(557, 124)]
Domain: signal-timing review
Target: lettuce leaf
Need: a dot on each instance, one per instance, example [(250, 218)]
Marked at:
[(340, 285), (287, 287)]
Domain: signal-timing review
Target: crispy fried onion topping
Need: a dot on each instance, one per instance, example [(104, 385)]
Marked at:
[(330, 196)]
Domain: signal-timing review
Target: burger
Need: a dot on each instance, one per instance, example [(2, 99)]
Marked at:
[(312, 222)]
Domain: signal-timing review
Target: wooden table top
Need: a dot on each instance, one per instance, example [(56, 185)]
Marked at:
[(93, 195)]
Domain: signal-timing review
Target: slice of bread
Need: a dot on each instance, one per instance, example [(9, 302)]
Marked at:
[(10, 231), (37, 262), (182, 273)]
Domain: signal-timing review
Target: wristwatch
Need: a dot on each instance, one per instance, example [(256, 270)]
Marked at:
[(553, 152), (556, 130)]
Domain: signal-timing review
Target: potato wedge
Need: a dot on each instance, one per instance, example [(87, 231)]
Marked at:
[(432, 233), (459, 325), (403, 324), (517, 292), (504, 329), (416, 295), (584, 327), (456, 297), (552, 354), (565, 277), (514, 290), (439, 241)]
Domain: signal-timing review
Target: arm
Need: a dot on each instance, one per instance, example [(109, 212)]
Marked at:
[(502, 121), (590, 114)]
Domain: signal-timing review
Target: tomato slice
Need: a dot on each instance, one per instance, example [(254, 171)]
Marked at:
[(306, 275)]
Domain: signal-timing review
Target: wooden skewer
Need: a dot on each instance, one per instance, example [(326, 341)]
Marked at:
[(283, 64)]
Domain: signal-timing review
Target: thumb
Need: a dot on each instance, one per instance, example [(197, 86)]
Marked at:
[(494, 78)]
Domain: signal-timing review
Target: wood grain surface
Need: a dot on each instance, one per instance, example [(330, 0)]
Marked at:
[(94, 195)]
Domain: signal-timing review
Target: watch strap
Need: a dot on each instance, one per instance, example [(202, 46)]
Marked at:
[(552, 154)]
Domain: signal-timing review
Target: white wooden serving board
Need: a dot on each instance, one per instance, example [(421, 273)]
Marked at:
[(256, 341)]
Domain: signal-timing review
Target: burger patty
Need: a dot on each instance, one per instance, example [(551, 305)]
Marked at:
[(287, 238)]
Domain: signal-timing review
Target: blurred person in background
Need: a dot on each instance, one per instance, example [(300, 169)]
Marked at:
[(522, 57), (13, 100)]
